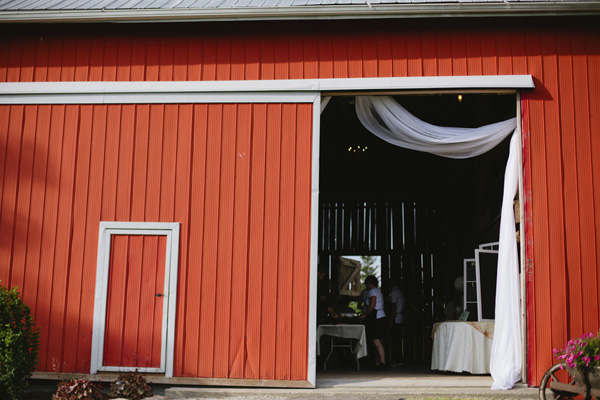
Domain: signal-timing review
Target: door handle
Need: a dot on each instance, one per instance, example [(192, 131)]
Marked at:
[(159, 295)]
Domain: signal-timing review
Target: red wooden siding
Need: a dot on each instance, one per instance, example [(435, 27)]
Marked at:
[(561, 155), (134, 314), (243, 293)]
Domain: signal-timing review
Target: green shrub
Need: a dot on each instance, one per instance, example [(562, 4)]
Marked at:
[(76, 389), (131, 385), (19, 341)]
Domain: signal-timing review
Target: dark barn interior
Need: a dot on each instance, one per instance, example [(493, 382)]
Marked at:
[(421, 213)]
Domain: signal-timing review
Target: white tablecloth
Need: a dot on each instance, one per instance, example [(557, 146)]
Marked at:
[(462, 346), (345, 331)]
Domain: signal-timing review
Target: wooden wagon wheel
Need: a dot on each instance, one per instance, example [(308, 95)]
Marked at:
[(550, 379)]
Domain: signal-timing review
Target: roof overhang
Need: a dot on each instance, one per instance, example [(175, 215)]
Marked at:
[(327, 12)]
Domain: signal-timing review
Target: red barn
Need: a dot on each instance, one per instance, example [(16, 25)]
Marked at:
[(168, 176)]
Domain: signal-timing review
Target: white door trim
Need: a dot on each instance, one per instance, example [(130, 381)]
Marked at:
[(251, 91), (107, 229)]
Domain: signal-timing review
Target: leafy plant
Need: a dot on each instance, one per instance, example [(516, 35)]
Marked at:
[(76, 389), (582, 354), (19, 341), (131, 385)]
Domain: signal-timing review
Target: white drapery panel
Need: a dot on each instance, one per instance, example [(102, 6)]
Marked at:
[(505, 362), (389, 121)]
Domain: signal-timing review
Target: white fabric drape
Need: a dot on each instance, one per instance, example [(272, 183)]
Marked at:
[(505, 362), (389, 121), (386, 119)]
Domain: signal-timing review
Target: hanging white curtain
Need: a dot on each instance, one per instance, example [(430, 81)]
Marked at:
[(388, 120)]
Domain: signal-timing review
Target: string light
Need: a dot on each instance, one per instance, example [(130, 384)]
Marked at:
[(460, 98), (357, 149)]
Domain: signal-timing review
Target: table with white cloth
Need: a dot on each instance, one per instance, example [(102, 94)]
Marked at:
[(462, 346), (348, 333)]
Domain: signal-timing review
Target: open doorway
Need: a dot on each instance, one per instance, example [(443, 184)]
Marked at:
[(421, 214)]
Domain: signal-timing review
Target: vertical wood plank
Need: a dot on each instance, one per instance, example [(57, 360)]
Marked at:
[(489, 53), (139, 63), (195, 264), (124, 60), (255, 247), (3, 61), (63, 270), (111, 163), (140, 163), (115, 304), (325, 46), (296, 54), (301, 249), (96, 59), (209, 60), (27, 61), (130, 355), (158, 301), (151, 306), (384, 56), (444, 53), (165, 70), (210, 245), (182, 214), (311, 57), (180, 60), (152, 59), (286, 242), (414, 57), (225, 240), (223, 59), (94, 209), (400, 56), (241, 235), (11, 138), (268, 345), (13, 71), (429, 54), (80, 243), (168, 156), (50, 319), (82, 60), (238, 59), (370, 62), (267, 58), (473, 54), (281, 58), (194, 67), (154, 162), (347, 56), (109, 63), (36, 210), (67, 72), (23, 180), (125, 162)]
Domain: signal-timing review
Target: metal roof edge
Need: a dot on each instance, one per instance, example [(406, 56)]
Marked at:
[(371, 11)]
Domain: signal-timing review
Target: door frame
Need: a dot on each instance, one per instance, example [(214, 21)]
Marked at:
[(106, 231)]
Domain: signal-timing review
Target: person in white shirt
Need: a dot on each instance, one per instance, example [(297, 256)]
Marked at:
[(396, 324), (374, 319)]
